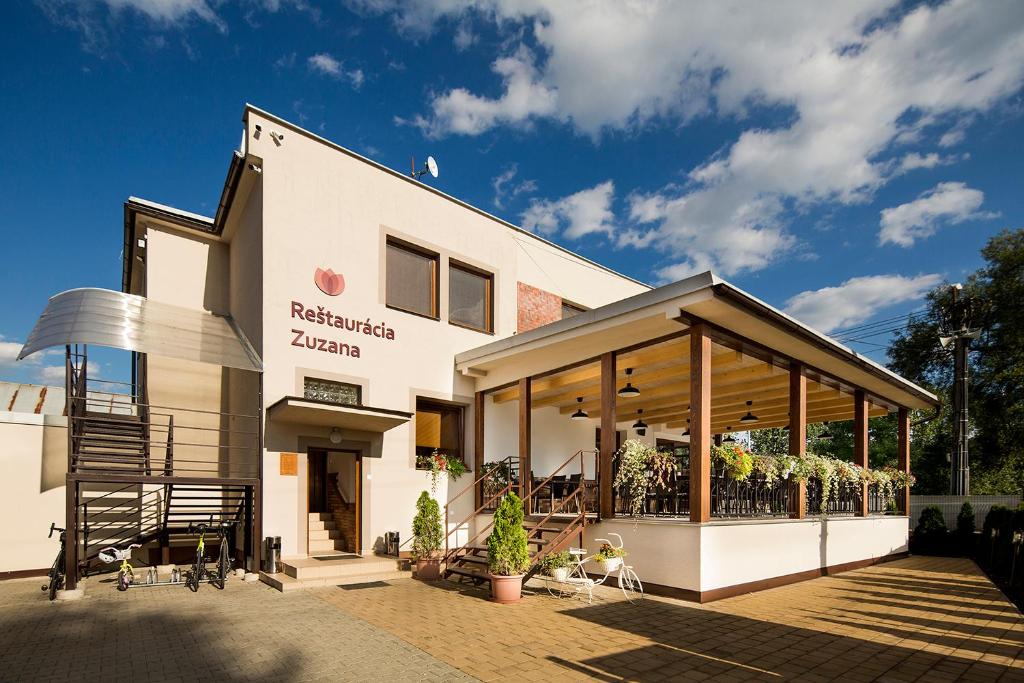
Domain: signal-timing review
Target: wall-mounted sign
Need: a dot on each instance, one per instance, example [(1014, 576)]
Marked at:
[(343, 347), (329, 282), (289, 464)]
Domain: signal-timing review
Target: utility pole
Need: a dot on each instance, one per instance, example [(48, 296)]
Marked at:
[(958, 331)]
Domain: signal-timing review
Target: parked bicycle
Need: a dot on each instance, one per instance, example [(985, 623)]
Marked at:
[(200, 573), (56, 574), (125, 573), (577, 582)]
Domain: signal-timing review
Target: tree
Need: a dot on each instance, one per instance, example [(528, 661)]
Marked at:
[(997, 375)]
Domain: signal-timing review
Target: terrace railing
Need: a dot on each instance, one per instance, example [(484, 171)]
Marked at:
[(752, 497)]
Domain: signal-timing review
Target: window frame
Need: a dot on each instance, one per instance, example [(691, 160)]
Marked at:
[(312, 378), (435, 284), (489, 289), (441, 406)]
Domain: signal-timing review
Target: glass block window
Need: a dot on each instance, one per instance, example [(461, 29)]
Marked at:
[(341, 393)]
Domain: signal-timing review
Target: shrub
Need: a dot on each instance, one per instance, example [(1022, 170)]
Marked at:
[(426, 528), (965, 520), (507, 554), (931, 536), (931, 521)]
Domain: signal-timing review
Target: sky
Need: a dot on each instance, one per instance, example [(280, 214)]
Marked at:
[(837, 160)]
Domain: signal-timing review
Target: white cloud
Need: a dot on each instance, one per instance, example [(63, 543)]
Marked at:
[(856, 80), (327, 65), (8, 353), (857, 299), (949, 203), (54, 374), (464, 37), (506, 187), (525, 98), (583, 213)]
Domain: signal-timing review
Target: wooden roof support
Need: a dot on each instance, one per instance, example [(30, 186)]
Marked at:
[(608, 446), (903, 457), (797, 435), (700, 425), (860, 443)]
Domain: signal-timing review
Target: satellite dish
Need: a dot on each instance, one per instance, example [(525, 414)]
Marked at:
[(429, 167)]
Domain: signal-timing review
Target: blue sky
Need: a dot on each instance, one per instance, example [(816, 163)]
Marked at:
[(835, 160)]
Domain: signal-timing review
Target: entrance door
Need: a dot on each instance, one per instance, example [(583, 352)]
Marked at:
[(318, 481)]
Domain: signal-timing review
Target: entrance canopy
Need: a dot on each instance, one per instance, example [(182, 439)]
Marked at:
[(124, 321), (305, 411), (753, 349)]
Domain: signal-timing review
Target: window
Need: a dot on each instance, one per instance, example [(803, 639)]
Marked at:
[(341, 393), (680, 449), (569, 310), (411, 279), (470, 298), (438, 426)]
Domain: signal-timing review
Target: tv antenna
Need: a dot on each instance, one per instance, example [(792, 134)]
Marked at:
[(429, 167)]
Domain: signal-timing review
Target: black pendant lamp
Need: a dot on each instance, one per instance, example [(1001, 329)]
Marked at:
[(580, 414), (628, 391), (749, 418), (825, 435), (729, 438), (640, 426)]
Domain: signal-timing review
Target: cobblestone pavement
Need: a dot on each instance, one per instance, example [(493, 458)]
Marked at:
[(166, 633), (918, 619)]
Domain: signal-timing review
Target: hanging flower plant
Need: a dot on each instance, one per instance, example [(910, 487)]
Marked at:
[(438, 463), (634, 459), (737, 462)]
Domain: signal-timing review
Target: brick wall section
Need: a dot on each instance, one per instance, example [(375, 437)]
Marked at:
[(344, 514), (537, 307)]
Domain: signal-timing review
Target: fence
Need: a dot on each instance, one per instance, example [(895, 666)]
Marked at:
[(950, 506)]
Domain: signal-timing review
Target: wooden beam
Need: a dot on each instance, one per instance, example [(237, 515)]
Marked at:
[(860, 443), (608, 389), (797, 435), (479, 401), (525, 437), (721, 408), (783, 422), (903, 456), (700, 425)]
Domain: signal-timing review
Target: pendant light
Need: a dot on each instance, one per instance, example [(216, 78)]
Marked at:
[(749, 418), (640, 426), (729, 438), (825, 435), (580, 414), (629, 391)]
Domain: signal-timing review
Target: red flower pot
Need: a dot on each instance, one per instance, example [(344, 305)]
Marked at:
[(506, 590)]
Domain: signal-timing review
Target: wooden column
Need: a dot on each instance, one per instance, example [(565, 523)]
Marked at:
[(525, 432), (604, 479), (797, 435), (479, 400), (71, 533), (903, 457), (700, 424), (860, 443)]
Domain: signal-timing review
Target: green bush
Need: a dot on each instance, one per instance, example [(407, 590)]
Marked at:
[(931, 521), (965, 520), (427, 532), (507, 554), (931, 536)]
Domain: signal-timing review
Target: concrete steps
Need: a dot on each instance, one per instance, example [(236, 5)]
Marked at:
[(307, 572), (324, 536)]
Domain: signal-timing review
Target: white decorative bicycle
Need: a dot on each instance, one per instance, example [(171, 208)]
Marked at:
[(578, 583)]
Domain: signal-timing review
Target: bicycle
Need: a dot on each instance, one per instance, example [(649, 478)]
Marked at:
[(577, 581), (125, 573), (199, 571), (56, 574)]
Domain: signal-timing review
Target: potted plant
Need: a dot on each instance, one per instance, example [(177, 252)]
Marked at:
[(437, 463), (556, 565), (426, 538), (609, 558), (507, 554)]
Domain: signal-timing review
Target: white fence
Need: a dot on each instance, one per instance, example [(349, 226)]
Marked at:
[(950, 506)]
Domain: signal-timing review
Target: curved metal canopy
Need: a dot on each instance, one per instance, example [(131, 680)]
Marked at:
[(134, 323)]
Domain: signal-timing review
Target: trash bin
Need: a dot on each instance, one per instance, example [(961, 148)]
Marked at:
[(391, 543), (271, 554)]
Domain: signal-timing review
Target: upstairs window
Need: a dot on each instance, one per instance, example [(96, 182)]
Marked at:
[(341, 393), (439, 426), (411, 279), (569, 310), (470, 298)]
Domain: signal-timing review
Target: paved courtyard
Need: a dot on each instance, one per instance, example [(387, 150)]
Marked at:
[(918, 619)]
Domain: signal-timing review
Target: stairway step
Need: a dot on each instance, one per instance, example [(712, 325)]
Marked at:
[(468, 573), (471, 559)]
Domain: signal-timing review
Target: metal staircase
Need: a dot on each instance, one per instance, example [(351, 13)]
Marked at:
[(545, 533)]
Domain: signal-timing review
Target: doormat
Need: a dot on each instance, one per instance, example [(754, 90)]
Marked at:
[(328, 558), (368, 584)]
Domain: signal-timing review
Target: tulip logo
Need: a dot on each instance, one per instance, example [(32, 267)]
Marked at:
[(329, 282)]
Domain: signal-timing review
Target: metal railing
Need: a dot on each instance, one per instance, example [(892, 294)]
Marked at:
[(752, 497)]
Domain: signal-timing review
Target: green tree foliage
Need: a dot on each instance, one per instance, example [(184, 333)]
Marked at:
[(507, 554), (997, 376), (965, 520), (426, 527)]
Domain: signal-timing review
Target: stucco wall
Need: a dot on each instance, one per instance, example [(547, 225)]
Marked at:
[(33, 461)]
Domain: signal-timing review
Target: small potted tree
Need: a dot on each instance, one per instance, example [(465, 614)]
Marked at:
[(507, 555), (426, 538)]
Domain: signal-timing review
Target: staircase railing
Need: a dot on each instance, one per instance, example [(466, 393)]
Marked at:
[(490, 475), (575, 525)]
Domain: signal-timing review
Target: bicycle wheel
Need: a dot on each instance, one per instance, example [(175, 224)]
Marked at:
[(630, 584), (197, 574), (56, 576), (223, 566)]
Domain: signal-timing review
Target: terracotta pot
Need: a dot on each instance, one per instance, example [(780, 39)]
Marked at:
[(428, 569), (506, 590)]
